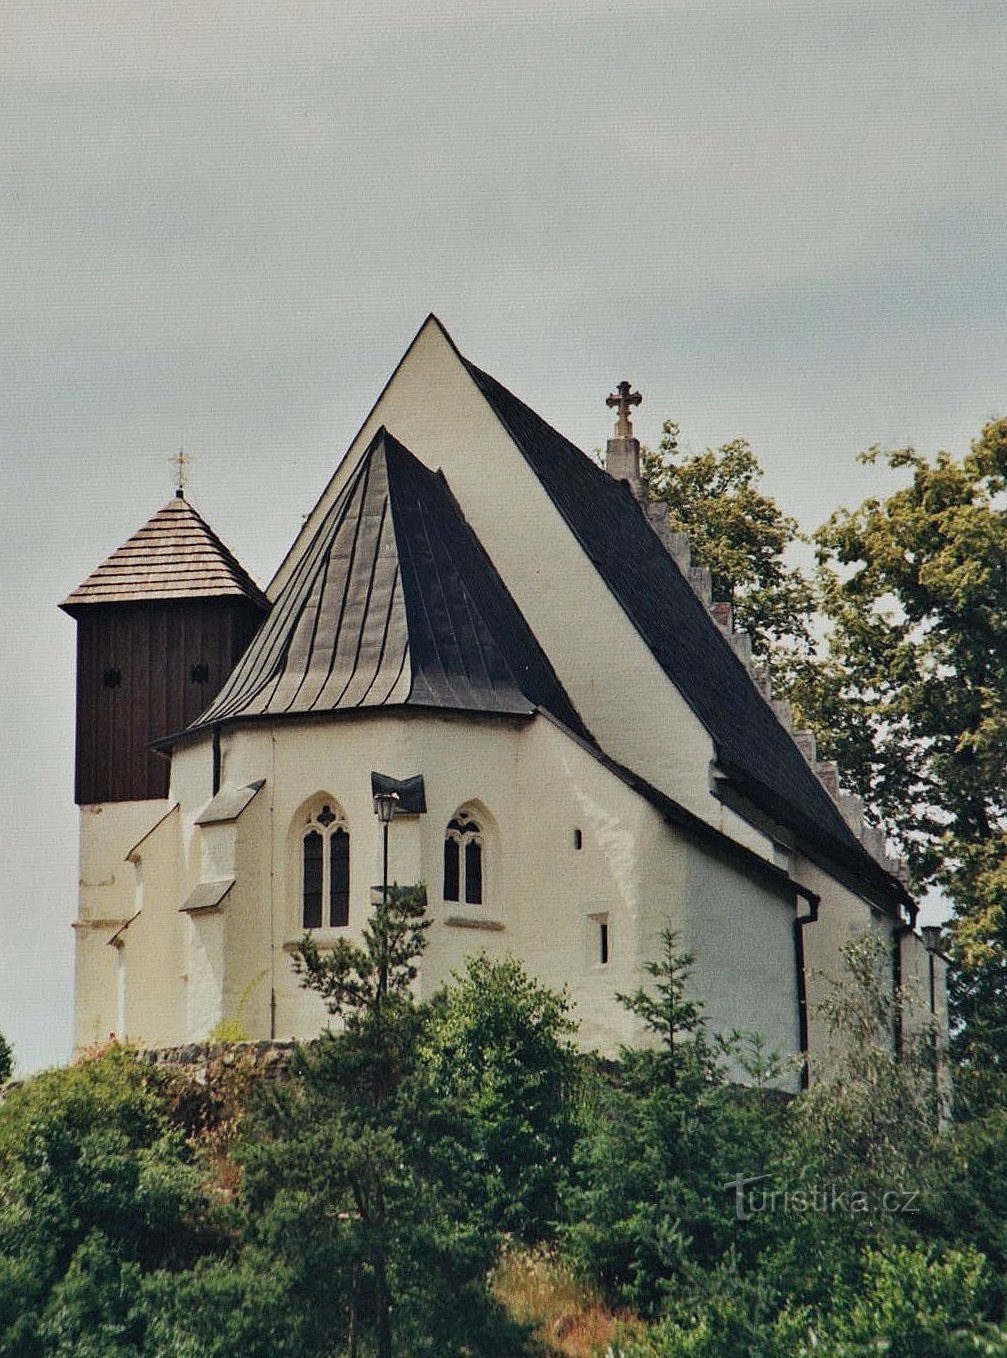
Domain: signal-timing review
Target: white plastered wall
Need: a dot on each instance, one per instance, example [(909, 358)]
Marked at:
[(433, 406), (842, 917), (151, 949), (741, 934), (107, 896), (531, 788), (925, 1004)]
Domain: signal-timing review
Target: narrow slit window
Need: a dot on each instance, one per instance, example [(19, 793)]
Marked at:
[(603, 942), (578, 840)]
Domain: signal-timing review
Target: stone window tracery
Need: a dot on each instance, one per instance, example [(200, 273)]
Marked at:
[(463, 859), (325, 870)]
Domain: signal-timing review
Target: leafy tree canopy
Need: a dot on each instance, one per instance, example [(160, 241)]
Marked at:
[(912, 696), (741, 534), (499, 1044)]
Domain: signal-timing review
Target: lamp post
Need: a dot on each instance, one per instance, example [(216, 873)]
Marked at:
[(384, 809)]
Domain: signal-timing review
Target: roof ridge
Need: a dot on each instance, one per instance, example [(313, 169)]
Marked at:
[(392, 602), (675, 624)]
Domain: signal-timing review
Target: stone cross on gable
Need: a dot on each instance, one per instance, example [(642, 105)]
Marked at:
[(624, 399)]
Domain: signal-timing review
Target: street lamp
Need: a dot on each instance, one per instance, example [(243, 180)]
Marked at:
[(384, 808)]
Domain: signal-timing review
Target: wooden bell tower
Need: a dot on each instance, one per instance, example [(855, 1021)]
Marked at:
[(160, 625)]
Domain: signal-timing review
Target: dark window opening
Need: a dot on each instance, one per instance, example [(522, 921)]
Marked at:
[(603, 943), (463, 860), (312, 893), (112, 678), (473, 872), (325, 876), (451, 869), (339, 879), (578, 840), (199, 674)]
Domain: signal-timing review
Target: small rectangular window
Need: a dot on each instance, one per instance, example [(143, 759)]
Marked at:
[(598, 939)]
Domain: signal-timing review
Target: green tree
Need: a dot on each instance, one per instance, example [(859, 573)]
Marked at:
[(912, 697), (498, 1045), (97, 1191), (6, 1060), (361, 1180), (744, 538), (670, 1015), (661, 1139)]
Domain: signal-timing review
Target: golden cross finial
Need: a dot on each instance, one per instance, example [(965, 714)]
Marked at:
[(181, 464), (623, 398)]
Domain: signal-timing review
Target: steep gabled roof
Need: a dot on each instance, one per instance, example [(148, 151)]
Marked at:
[(392, 602), (175, 555), (751, 746)]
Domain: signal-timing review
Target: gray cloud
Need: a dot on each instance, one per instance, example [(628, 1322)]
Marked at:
[(220, 224)]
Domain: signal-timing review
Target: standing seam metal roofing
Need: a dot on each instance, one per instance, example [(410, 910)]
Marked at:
[(393, 601), (614, 533)]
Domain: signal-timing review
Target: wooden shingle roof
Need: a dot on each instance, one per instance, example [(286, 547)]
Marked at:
[(175, 555)]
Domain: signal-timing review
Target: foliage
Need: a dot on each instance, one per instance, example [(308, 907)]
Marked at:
[(857, 1143), (742, 535), (921, 1304), (965, 1193), (671, 1016), (498, 1046), (724, 1313), (361, 1174), (568, 1315), (97, 1190), (658, 1148), (6, 1060), (912, 699), (362, 1216)]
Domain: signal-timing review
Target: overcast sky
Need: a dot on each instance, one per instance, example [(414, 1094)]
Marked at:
[(221, 223)]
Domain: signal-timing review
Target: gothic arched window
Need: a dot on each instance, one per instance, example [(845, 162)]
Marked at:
[(463, 859), (325, 870)]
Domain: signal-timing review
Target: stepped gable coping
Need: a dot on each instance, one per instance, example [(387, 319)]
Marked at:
[(752, 748)]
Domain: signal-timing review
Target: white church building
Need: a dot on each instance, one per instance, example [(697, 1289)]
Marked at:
[(478, 616)]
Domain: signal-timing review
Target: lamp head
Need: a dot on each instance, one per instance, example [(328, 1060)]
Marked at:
[(384, 806)]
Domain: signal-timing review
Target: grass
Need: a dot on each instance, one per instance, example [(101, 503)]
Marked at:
[(569, 1318)]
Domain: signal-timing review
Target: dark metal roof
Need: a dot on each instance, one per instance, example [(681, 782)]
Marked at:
[(392, 602), (749, 741), (175, 555), (229, 803)]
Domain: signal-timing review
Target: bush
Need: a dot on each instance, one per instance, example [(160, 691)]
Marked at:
[(498, 1046), (96, 1190)]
